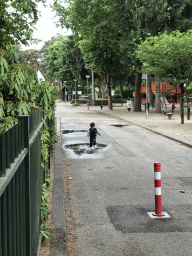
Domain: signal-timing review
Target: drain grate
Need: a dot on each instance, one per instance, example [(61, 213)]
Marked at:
[(119, 125)]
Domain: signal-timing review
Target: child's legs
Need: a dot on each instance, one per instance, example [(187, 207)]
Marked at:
[(94, 140), (91, 142)]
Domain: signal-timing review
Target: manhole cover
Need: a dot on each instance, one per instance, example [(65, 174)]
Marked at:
[(72, 131), (83, 148), (119, 125)]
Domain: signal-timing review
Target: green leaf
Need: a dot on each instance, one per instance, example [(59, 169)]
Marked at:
[(2, 113), (3, 64), (45, 99), (46, 236)]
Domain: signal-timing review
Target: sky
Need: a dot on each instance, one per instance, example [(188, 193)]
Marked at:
[(45, 27)]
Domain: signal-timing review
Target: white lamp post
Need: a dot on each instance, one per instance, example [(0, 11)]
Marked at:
[(75, 80), (87, 76)]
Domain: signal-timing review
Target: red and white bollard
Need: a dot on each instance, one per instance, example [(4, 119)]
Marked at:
[(157, 177)]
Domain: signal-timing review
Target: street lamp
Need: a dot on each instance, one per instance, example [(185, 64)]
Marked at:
[(65, 90), (75, 80), (147, 110), (87, 76)]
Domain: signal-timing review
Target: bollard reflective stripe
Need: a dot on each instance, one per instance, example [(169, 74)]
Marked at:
[(157, 183), (157, 175), (157, 191)]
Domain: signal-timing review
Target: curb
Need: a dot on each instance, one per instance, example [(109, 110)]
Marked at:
[(58, 201), (149, 129)]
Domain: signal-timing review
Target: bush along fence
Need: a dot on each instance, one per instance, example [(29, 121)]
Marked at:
[(23, 175)]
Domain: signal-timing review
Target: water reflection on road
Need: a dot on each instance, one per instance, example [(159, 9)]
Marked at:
[(75, 144)]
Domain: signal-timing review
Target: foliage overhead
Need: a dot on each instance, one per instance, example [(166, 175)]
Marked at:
[(17, 19), (20, 92), (169, 56), (64, 61)]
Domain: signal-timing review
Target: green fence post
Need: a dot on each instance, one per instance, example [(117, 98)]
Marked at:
[(13, 196), (1, 253), (4, 224), (3, 154), (27, 199)]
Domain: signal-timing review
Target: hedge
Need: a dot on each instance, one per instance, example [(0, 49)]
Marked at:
[(99, 102)]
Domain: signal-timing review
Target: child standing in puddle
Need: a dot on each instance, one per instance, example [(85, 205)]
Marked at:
[(92, 133)]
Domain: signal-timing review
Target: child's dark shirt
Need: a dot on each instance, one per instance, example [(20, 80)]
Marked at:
[(93, 132)]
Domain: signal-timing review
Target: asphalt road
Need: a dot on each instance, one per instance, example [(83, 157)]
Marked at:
[(111, 188)]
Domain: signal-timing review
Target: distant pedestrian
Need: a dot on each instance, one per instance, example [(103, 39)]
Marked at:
[(92, 133)]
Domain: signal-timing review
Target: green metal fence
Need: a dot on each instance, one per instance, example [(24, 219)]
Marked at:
[(21, 179)]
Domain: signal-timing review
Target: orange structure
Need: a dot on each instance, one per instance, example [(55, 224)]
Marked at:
[(172, 94)]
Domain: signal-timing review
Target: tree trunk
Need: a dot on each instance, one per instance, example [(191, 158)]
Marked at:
[(109, 93), (181, 103), (102, 94), (157, 97), (137, 103), (149, 93), (121, 87)]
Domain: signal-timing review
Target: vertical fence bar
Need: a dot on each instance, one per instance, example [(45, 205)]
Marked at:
[(8, 144), (21, 142), (10, 221), (27, 194), (12, 131), (3, 154), (19, 137), (4, 224), (24, 217), (22, 134), (14, 205), (17, 149), (21, 208), (1, 253), (17, 179)]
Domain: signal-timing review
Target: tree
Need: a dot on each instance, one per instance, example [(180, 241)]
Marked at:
[(152, 17), (169, 58), (97, 24), (20, 92), (32, 57), (65, 62), (125, 24), (17, 19)]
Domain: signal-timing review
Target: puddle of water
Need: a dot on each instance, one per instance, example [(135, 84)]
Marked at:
[(72, 131), (82, 150)]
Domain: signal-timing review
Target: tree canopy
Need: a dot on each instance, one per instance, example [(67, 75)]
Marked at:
[(169, 57), (17, 19), (64, 61), (109, 31)]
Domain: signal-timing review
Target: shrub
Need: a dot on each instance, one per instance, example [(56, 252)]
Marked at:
[(75, 104), (99, 102), (82, 101), (117, 96), (128, 92), (119, 101), (117, 91)]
